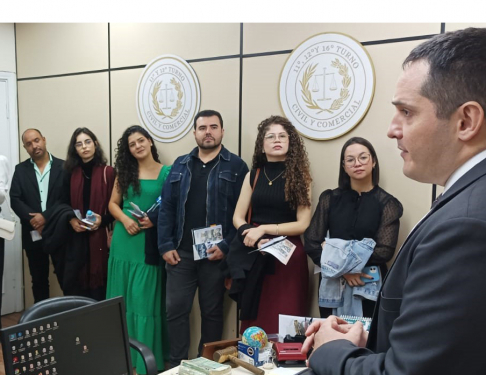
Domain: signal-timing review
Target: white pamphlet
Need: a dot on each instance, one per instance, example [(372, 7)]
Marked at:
[(85, 221), (137, 212), (280, 247)]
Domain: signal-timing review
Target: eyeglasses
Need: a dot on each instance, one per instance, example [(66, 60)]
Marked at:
[(87, 142), (363, 159), (283, 137)]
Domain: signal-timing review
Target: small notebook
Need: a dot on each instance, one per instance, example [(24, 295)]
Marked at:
[(351, 319)]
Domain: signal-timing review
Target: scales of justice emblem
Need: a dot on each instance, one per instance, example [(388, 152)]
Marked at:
[(168, 97), (327, 85), (324, 88)]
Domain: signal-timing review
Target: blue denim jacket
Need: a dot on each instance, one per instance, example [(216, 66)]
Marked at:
[(338, 258), (224, 185), (353, 297)]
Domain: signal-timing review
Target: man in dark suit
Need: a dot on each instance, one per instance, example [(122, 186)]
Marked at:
[(35, 190), (428, 317)]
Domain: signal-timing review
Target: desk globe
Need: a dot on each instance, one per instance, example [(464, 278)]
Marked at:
[(255, 336)]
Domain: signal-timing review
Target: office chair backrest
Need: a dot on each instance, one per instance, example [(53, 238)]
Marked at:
[(53, 306)]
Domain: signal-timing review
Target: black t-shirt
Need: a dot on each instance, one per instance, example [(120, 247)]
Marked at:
[(195, 209)]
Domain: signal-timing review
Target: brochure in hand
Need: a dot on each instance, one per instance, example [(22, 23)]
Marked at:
[(204, 239), (89, 223), (280, 247), (139, 214)]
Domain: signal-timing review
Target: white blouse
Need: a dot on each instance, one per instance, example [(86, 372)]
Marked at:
[(3, 178)]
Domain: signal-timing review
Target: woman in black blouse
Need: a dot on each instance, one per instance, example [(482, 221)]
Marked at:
[(357, 209)]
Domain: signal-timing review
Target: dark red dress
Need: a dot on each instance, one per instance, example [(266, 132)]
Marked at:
[(284, 289)]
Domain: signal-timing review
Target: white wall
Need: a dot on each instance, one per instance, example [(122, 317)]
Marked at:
[(12, 293), (7, 47)]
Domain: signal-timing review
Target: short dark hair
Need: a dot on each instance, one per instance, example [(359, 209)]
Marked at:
[(73, 160), (26, 130), (344, 180), (208, 113), (457, 66)]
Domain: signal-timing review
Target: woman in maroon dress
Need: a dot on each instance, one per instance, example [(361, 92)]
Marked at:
[(277, 190)]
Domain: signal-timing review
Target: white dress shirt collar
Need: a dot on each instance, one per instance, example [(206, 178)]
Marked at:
[(463, 169)]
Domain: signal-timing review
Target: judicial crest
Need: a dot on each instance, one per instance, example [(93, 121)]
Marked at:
[(168, 97), (327, 85)]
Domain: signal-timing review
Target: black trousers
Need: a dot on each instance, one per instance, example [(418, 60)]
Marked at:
[(39, 270), (182, 282)]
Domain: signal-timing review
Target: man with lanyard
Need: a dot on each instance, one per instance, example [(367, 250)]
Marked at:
[(427, 318), (35, 190), (202, 190)]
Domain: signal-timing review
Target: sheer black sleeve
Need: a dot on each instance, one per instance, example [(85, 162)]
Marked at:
[(319, 225), (387, 236)]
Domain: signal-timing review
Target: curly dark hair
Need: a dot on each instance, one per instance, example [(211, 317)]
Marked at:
[(297, 167), (73, 159), (126, 166)]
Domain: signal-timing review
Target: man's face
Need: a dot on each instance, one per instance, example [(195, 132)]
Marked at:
[(208, 133), (428, 144), (34, 144)]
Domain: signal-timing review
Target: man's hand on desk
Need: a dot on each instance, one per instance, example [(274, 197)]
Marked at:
[(333, 328)]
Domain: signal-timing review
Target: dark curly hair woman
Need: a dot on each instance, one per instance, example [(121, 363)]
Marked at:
[(134, 269), (126, 164), (277, 191)]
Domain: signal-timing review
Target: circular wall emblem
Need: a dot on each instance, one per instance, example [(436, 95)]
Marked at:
[(168, 97), (327, 85)]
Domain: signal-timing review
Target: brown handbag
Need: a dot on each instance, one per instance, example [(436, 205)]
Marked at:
[(252, 190)]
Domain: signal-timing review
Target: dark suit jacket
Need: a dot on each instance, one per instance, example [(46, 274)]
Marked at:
[(429, 317), (25, 195)]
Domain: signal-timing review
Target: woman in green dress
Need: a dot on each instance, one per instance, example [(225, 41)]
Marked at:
[(134, 269)]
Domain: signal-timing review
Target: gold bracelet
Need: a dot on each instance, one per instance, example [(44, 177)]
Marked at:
[(277, 229)]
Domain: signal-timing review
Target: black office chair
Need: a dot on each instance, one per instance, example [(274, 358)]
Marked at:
[(59, 304)]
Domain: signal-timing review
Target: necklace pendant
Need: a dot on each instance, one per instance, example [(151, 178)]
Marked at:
[(270, 183)]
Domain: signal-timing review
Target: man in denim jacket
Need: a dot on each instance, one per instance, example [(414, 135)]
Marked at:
[(202, 190)]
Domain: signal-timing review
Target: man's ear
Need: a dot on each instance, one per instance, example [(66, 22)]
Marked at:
[(470, 120)]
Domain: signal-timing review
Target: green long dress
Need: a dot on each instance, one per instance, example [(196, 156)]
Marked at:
[(142, 285)]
